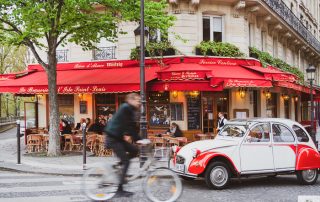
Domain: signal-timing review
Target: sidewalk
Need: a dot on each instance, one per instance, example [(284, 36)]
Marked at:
[(70, 164)]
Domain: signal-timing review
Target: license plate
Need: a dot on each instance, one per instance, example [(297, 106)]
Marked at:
[(180, 167)]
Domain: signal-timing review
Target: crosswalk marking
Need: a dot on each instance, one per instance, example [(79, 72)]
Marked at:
[(20, 187)]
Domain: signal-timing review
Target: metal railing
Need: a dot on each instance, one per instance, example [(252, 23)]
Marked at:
[(8, 120), (292, 20), (62, 55), (103, 53)]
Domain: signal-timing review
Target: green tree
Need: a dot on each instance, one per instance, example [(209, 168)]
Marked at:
[(47, 24), (12, 59)]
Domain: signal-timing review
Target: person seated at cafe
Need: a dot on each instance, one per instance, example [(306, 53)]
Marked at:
[(174, 130), (95, 127), (66, 127), (88, 123), (78, 126)]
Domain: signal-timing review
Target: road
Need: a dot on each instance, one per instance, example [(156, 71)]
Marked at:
[(8, 134), (22, 187)]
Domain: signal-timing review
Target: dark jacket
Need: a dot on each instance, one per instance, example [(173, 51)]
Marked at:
[(177, 133), (123, 123)]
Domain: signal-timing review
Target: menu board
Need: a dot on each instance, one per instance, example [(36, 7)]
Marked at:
[(194, 112)]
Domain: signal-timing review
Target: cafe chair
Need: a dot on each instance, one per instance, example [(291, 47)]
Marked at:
[(75, 143), (34, 143), (159, 144), (67, 142)]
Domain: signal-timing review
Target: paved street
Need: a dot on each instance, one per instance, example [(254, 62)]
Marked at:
[(16, 187)]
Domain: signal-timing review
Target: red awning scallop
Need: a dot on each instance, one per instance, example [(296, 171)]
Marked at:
[(273, 73)]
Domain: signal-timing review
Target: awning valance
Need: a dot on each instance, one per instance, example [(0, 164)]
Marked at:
[(272, 73), (81, 81), (293, 86)]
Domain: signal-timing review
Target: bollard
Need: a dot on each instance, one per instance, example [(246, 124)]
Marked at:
[(18, 143), (84, 145)]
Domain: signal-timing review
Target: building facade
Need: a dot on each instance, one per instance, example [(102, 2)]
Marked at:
[(287, 29)]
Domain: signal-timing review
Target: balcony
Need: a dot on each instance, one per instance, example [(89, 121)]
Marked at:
[(104, 53), (288, 16), (62, 55)]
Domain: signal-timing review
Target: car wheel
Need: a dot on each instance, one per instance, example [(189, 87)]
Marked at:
[(307, 177), (217, 175), (187, 178)]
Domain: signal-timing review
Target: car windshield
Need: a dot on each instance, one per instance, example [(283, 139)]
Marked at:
[(233, 130)]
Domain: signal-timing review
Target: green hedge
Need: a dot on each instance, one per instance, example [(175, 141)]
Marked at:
[(213, 48), (266, 59), (154, 49)]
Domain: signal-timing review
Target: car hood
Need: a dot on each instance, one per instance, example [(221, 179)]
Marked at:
[(205, 145)]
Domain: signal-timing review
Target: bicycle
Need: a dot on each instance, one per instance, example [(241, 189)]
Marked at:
[(159, 184)]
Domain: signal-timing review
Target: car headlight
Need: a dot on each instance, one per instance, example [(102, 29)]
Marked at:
[(195, 152)]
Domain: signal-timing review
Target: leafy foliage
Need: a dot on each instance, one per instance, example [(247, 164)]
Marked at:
[(219, 49), (266, 59), (46, 25), (153, 49)]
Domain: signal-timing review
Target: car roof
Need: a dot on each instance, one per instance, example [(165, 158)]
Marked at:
[(263, 120)]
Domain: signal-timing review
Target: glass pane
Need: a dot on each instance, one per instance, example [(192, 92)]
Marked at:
[(206, 29), (30, 115), (217, 36), (217, 24), (281, 134), (260, 133)]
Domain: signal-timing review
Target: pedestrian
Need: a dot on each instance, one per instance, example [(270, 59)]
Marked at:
[(122, 125), (221, 121)]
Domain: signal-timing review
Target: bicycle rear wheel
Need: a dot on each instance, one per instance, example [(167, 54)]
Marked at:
[(162, 185), (100, 183)]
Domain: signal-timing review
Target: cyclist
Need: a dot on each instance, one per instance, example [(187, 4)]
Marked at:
[(124, 123)]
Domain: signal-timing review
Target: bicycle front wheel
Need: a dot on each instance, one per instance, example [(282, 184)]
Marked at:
[(100, 183), (162, 185)]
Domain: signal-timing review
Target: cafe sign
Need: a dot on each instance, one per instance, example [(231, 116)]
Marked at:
[(230, 83), (182, 75)]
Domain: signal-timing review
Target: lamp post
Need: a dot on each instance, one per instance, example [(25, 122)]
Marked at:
[(310, 73), (141, 35)]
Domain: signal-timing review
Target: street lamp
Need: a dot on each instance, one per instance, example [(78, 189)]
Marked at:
[(140, 34), (310, 74)]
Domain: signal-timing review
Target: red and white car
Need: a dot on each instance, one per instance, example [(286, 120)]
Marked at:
[(269, 146)]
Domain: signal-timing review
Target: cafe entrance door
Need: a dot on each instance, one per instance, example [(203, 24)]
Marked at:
[(212, 104)]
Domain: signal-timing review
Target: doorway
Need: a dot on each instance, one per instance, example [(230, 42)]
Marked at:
[(212, 103)]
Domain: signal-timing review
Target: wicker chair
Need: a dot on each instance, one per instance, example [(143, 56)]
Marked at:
[(34, 143)]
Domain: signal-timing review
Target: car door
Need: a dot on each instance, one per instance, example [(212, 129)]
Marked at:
[(284, 147), (256, 150)]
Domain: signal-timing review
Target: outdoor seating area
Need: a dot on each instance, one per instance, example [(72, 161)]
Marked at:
[(38, 139)]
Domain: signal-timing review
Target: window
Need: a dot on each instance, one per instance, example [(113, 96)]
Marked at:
[(281, 134), (301, 134), (159, 109), (155, 35), (66, 107), (212, 28), (275, 47), (260, 133), (105, 104), (176, 111), (272, 110)]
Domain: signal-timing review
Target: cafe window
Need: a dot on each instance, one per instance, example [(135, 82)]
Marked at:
[(272, 110), (159, 109), (176, 111), (105, 104), (66, 107), (212, 28)]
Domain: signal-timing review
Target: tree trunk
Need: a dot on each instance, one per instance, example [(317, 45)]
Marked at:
[(54, 131), (1, 105)]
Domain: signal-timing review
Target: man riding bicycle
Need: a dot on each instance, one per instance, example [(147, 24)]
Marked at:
[(122, 124)]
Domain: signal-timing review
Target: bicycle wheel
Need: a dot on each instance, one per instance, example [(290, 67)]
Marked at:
[(100, 183), (162, 185)]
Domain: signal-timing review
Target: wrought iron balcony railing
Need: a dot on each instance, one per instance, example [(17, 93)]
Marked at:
[(104, 53), (288, 16), (62, 55)]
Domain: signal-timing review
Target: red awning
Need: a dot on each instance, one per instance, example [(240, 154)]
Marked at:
[(293, 86), (273, 73), (184, 71), (182, 86), (81, 81), (237, 76)]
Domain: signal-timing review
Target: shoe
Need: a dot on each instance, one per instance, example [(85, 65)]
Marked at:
[(123, 194)]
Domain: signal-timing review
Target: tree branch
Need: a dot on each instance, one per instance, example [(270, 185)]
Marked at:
[(15, 28), (35, 53)]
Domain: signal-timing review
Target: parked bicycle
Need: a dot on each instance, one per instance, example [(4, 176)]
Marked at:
[(160, 184)]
